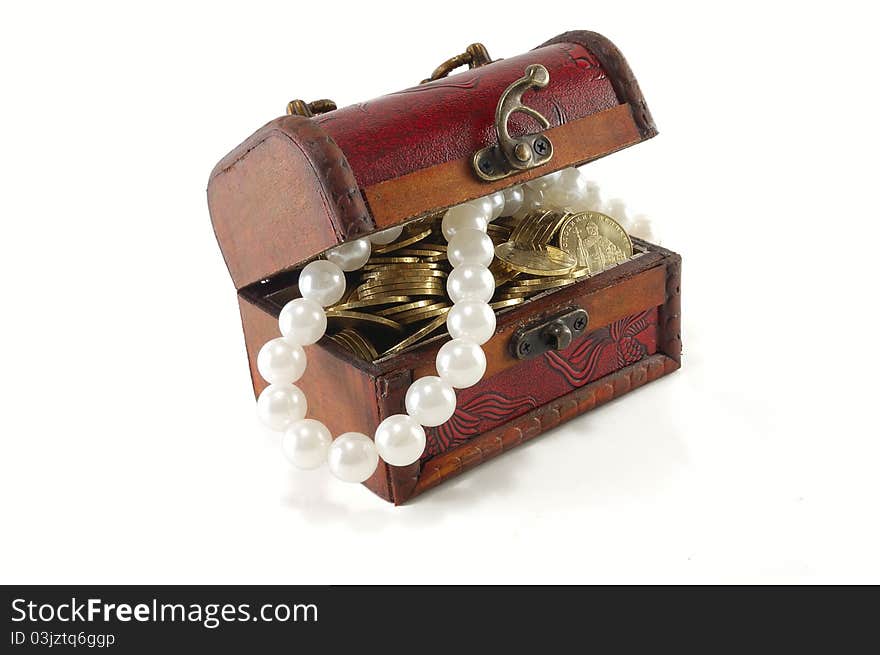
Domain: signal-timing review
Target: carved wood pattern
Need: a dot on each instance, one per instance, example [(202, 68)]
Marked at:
[(537, 381), (530, 425)]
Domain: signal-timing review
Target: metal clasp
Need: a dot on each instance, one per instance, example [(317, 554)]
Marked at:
[(512, 155), (551, 333)]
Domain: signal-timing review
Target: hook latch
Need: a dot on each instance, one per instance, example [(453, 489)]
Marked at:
[(514, 154)]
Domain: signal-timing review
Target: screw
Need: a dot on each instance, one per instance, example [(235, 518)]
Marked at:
[(486, 165), (525, 348), (580, 323), (542, 146)]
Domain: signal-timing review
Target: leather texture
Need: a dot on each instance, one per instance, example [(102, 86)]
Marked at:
[(451, 118)]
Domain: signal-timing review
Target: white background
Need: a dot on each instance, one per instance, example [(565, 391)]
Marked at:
[(130, 450)]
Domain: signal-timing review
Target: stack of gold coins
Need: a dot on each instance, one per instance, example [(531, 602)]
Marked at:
[(398, 299)]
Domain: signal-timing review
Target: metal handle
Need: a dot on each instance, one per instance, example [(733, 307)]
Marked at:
[(309, 109), (474, 56), (514, 154)]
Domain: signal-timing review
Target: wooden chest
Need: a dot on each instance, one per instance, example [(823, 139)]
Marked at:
[(305, 183)]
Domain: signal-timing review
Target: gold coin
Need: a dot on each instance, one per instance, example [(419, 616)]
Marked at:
[(392, 260), (363, 344), (411, 266), (423, 314), (502, 272), (542, 260), (549, 283), (423, 252), (360, 304), (353, 319), (379, 274), (401, 288), (402, 243), (418, 304), (522, 234), (508, 302), (548, 227), (417, 336), (539, 281), (407, 291), (596, 240), (345, 338)]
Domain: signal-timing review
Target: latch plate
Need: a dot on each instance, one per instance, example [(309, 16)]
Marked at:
[(550, 333)]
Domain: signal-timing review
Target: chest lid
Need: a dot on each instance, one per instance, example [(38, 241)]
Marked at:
[(301, 185)]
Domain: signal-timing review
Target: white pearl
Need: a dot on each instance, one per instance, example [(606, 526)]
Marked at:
[(352, 457), (305, 443), (496, 204), (302, 322), (471, 320), (322, 281), (475, 214), (461, 363), (430, 401), (385, 237), (513, 199), (568, 189), (280, 362), (350, 256), (400, 440), (533, 200), (470, 246), (279, 405), (541, 183), (470, 282)]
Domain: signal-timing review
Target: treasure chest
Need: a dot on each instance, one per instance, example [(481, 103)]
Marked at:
[(566, 338)]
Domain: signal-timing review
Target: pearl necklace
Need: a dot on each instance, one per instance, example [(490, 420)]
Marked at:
[(430, 401)]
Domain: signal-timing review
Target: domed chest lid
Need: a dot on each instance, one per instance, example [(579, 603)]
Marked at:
[(300, 185)]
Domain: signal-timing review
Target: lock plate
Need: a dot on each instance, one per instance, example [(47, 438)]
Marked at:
[(550, 333)]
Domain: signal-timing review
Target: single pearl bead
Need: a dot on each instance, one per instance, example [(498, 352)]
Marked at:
[(385, 237), (475, 214), (471, 320), (400, 440), (496, 204), (430, 401), (470, 246), (533, 200), (352, 457), (541, 183), (470, 282), (280, 362), (279, 405), (323, 282), (461, 363), (513, 199), (567, 190), (305, 443), (350, 256), (302, 322)]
